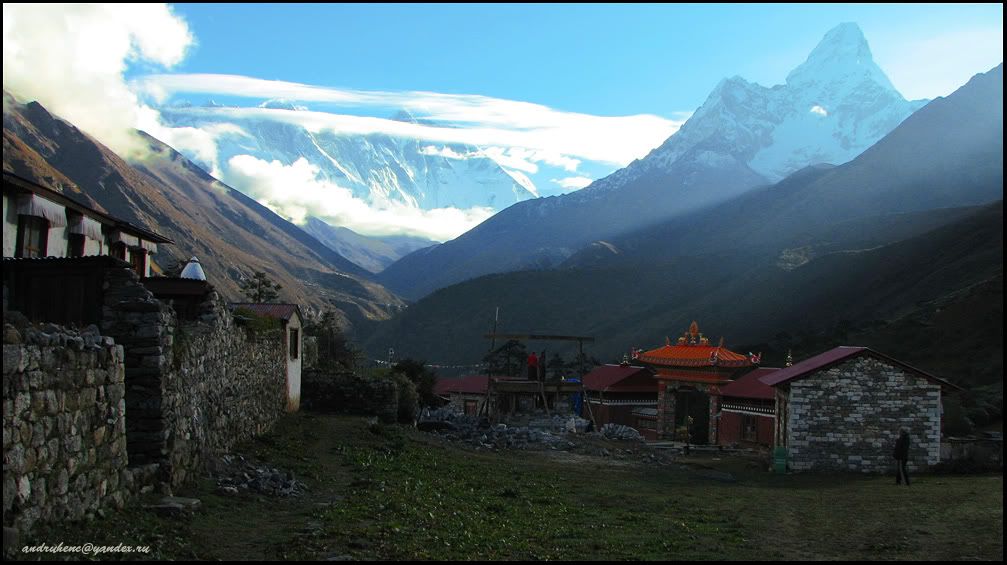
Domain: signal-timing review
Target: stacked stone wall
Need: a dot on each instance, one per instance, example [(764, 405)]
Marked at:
[(848, 417), (91, 416), (349, 393), (223, 384), (144, 326), (64, 435)]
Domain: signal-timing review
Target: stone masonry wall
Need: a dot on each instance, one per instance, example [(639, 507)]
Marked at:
[(848, 417), (192, 387), (349, 393), (224, 384), (88, 417), (144, 326), (64, 435)]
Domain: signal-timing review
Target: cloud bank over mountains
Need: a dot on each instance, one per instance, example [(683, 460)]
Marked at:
[(75, 59)]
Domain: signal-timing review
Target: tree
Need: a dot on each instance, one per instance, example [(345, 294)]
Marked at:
[(420, 375), (334, 350), (260, 288)]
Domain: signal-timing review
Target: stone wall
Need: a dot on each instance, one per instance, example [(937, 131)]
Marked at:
[(192, 387), (848, 417), (349, 393), (223, 384), (64, 434), (144, 326)]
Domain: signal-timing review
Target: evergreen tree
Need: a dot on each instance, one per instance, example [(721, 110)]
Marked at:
[(334, 350), (260, 288), (420, 375)]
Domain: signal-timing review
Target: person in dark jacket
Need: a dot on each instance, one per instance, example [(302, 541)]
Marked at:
[(902, 457)]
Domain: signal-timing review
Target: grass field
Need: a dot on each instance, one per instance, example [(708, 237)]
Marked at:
[(386, 492)]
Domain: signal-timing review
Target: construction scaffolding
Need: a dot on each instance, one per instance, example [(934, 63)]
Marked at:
[(503, 394)]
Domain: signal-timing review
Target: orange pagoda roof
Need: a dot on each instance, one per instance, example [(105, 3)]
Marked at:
[(694, 350)]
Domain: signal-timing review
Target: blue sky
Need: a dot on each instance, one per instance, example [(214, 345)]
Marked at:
[(597, 59), (557, 95)]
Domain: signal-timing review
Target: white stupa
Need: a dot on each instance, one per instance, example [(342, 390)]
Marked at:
[(193, 271)]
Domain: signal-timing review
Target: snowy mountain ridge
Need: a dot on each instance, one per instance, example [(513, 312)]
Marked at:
[(379, 168), (831, 108)]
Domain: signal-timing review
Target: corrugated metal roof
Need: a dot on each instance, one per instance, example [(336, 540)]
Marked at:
[(277, 311), (838, 355), (606, 376), (750, 385)]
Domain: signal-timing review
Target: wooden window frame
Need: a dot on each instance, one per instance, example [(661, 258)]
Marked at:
[(76, 244), (32, 224), (293, 343)]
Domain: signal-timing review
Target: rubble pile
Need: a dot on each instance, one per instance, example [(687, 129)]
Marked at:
[(537, 431), (620, 432), (234, 474)]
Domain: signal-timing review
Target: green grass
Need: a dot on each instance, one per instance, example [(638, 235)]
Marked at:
[(391, 493)]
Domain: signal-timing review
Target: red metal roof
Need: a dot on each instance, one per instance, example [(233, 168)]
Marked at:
[(838, 355), (749, 385), (269, 310), (610, 376), (472, 384)]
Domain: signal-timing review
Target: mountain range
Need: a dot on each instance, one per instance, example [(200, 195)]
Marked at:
[(831, 108), (882, 244), (232, 235), (377, 167)]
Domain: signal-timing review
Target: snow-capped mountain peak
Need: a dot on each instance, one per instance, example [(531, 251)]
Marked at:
[(834, 105), (281, 104), (843, 55)]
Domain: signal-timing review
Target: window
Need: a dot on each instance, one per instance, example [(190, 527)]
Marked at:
[(294, 343), (118, 250), (471, 407), (75, 245), (138, 260), (32, 236)]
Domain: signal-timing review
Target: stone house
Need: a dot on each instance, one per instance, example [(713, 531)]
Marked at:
[(41, 222), (292, 323), (842, 410)]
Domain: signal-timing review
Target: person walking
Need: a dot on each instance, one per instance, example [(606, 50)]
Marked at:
[(902, 457)]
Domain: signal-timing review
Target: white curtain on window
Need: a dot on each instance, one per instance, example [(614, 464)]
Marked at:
[(129, 240), (89, 227), (35, 205), (150, 246)]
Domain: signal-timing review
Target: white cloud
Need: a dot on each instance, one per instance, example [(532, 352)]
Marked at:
[(818, 110), (71, 59), (562, 137), (448, 153), (573, 183), (296, 191)]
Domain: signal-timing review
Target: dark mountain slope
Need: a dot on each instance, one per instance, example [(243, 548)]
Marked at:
[(232, 235)]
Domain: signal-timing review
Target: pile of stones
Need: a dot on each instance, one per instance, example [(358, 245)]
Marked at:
[(52, 335), (540, 431), (235, 473), (620, 432)]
